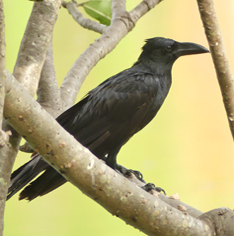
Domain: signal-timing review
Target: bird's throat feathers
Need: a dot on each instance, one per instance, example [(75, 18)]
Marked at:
[(156, 68)]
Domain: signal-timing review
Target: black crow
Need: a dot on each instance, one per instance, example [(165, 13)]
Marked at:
[(111, 114)]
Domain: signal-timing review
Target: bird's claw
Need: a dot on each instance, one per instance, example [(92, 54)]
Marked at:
[(137, 173), (148, 187)]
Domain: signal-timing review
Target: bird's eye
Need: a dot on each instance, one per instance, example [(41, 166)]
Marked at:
[(168, 48)]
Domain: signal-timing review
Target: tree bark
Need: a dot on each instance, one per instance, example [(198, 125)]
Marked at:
[(220, 60)]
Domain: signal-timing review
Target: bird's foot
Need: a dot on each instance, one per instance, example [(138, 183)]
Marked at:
[(127, 173), (137, 173), (148, 187)]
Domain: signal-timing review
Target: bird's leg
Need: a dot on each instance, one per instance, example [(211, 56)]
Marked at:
[(111, 158)]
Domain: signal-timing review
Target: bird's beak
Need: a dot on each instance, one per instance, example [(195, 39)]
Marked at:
[(190, 48)]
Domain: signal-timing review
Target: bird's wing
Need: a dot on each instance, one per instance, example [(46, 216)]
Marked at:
[(117, 108)]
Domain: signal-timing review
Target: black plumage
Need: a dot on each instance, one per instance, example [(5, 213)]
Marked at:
[(111, 113)]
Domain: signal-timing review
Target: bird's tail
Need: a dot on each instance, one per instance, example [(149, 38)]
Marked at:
[(23, 175), (45, 183)]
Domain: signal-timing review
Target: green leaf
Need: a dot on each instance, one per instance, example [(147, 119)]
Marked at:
[(99, 10)]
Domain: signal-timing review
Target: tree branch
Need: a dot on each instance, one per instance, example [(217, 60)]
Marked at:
[(48, 92), (4, 174), (35, 43), (81, 20), (118, 9), (223, 71), (2, 69), (112, 35), (221, 220)]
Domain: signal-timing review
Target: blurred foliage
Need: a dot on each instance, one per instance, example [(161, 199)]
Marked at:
[(99, 10), (187, 148)]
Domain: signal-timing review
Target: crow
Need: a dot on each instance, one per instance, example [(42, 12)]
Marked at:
[(110, 114)]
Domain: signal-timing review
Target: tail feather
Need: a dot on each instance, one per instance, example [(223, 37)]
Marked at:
[(44, 184), (25, 174)]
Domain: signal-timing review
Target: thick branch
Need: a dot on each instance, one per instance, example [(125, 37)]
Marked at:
[(221, 220), (35, 43), (219, 57), (112, 35), (91, 175), (118, 8), (4, 175), (2, 63), (7, 159)]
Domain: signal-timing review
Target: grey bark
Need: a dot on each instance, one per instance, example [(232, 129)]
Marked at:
[(220, 60)]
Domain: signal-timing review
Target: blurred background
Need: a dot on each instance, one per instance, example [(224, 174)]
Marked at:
[(187, 149)]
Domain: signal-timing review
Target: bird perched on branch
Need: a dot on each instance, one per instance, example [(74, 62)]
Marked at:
[(111, 113)]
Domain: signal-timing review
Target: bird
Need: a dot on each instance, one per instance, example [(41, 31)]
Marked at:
[(110, 114)]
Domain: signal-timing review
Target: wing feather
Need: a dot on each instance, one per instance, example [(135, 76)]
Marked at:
[(114, 111)]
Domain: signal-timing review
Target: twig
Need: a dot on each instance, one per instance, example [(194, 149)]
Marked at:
[(81, 20), (224, 75), (142, 8)]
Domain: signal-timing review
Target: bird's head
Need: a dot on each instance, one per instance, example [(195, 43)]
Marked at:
[(164, 51)]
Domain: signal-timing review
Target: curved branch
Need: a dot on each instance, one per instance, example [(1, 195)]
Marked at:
[(81, 20), (48, 92), (223, 71)]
